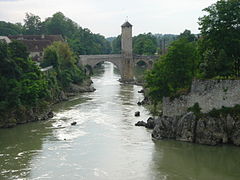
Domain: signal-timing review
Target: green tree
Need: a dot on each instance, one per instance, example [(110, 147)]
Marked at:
[(64, 62), (21, 82), (220, 41), (173, 72), (188, 35), (18, 50), (10, 29), (32, 24), (116, 45), (50, 57), (59, 24), (144, 44)]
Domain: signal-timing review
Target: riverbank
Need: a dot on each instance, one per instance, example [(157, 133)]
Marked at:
[(43, 112)]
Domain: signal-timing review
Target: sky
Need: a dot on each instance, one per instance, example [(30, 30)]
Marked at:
[(106, 16)]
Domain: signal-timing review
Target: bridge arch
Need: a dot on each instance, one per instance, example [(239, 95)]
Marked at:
[(111, 61), (141, 63)]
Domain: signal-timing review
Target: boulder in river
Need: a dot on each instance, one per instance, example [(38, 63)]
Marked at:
[(139, 103), (150, 123), (50, 114), (137, 113), (74, 123), (141, 123)]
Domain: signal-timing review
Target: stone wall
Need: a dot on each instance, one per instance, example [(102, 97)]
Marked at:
[(208, 94)]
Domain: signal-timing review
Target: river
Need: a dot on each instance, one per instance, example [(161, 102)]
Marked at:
[(105, 144)]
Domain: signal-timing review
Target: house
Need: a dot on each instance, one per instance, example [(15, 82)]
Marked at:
[(36, 43)]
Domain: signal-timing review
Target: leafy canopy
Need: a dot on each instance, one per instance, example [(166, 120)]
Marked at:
[(220, 42), (172, 72)]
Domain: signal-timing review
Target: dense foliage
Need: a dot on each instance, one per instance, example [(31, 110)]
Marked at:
[(174, 71), (10, 29), (21, 82), (144, 44), (164, 41), (116, 45), (219, 47), (60, 56), (24, 88), (81, 40)]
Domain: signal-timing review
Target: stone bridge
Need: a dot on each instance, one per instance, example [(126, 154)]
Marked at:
[(148, 60), (93, 60), (125, 61)]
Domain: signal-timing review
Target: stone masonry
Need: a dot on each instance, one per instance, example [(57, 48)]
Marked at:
[(208, 94)]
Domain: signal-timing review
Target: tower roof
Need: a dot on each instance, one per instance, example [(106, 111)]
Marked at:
[(126, 24)]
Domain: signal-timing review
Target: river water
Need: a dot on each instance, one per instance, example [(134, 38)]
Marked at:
[(105, 144)]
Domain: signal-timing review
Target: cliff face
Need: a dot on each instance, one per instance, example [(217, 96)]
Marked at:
[(23, 115), (204, 130), (177, 123), (208, 94)]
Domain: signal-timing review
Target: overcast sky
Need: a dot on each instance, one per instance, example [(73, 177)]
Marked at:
[(106, 16)]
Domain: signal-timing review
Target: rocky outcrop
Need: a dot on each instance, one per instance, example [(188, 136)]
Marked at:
[(208, 94), (86, 86), (22, 116), (145, 101), (202, 130), (150, 124), (141, 123)]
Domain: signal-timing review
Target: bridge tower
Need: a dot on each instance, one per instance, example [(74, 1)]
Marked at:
[(127, 54)]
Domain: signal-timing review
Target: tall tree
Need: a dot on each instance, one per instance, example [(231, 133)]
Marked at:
[(144, 44), (32, 24), (174, 71), (220, 41), (188, 35)]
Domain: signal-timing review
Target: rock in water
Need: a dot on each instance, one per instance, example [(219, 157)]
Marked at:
[(50, 114), (73, 123), (137, 113), (150, 123), (141, 123), (139, 103)]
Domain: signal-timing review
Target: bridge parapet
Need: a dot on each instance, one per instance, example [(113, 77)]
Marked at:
[(92, 60)]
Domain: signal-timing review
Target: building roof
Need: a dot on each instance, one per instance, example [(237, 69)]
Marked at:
[(36, 46), (36, 43), (51, 38), (126, 24)]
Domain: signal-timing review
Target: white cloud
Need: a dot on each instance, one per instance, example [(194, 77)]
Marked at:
[(106, 16)]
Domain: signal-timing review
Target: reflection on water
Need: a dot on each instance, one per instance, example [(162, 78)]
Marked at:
[(18, 146), (105, 144), (180, 160)]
